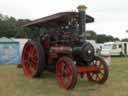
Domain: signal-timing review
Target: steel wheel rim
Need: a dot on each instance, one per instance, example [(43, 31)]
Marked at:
[(64, 74), (29, 59)]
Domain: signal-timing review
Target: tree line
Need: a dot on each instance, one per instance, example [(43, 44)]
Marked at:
[(101, 38), (11, 27)]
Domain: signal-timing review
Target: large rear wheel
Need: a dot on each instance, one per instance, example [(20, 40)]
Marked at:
[(33, 59), (102, 74), (66, 73)]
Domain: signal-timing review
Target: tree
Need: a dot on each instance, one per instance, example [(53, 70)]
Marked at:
[(125, 39), (10, 27), (7, 26), (91, 35), (104, 38), (21, 33)]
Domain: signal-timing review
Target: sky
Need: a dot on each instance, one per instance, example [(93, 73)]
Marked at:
[(111, 16)]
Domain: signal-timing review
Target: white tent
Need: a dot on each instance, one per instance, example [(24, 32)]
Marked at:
[(9, 51)]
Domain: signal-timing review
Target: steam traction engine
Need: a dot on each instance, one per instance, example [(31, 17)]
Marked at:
[(61, 47)]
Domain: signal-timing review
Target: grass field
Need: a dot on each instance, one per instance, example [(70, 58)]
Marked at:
[(14, 83)]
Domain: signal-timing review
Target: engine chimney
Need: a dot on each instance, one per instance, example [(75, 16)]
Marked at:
[(82, 21)]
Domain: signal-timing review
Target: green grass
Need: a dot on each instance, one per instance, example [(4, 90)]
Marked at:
[(8, 80), (14, 83)]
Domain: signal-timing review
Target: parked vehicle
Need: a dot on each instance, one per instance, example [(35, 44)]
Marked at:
[(61, 47), (116, 48)]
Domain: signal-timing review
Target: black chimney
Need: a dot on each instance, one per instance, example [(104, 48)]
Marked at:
[(82, 21)]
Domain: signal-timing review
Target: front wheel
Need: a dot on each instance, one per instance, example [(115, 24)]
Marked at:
[(66, 73), (102, 75)]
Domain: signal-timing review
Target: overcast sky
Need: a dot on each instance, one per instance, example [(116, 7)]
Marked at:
[(111, 16)]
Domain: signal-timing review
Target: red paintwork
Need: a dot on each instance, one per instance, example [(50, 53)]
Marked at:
[(56, 51), (64, 73), (46, 45), (29, 59), (85, 69)]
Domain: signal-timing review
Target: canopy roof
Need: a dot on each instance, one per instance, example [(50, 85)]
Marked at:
[(57, 19), (5, 40)]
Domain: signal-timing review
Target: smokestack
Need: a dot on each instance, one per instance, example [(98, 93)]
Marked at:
[(82, 21)]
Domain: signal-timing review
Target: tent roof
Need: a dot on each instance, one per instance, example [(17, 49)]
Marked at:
[(7, 40)]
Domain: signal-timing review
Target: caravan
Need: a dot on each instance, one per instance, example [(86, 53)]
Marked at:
[(116, 48)]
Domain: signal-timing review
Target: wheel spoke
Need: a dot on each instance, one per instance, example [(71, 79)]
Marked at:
[(68, 71), (97, 77), (102, 68), (34, 60), (98, 63)]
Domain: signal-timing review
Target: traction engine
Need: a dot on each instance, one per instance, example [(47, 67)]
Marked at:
[(63, 49)]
